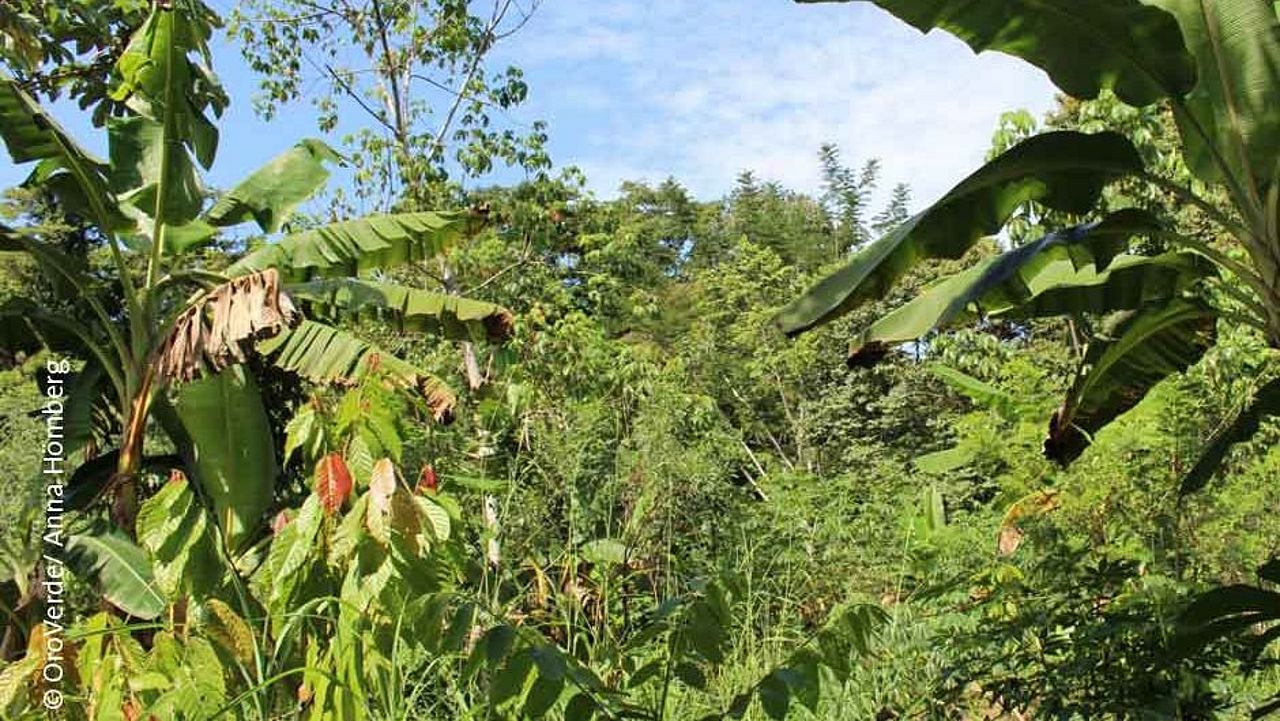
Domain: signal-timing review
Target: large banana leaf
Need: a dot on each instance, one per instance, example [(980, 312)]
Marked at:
[(1136, 351), (1056, 288), (1083, 45), (270, 194), (405, 308), (324, 354), (1237, 48), (231, 448), (159, 79), (1224, 612), (1075, 258), (173, 527), (1064, 170), (1264, 403), (26, 326), (118, 568), (140, 161), (354, 246), (31, 134)]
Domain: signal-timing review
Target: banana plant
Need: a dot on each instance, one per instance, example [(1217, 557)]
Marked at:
[(163, 338), (1217, 66)]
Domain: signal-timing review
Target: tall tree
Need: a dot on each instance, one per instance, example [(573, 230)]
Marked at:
[(415, 76)]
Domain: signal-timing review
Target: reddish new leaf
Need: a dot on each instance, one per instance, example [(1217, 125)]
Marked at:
[(428, 481), (333, 482), (279, 522)]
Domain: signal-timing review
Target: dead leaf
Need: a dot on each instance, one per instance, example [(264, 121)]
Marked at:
[(220, 328)]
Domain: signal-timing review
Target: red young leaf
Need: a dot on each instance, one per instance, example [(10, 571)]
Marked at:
[(428, 481), (333, 482)]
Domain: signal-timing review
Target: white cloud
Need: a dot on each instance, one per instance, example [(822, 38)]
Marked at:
[(704, 90)]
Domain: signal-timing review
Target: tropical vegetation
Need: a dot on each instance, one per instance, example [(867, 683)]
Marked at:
[(519, 452)]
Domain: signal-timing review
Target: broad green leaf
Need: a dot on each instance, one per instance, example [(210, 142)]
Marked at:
[(30, 134), (117, 568), (984, 394), (1131, 282), (68, 276), (324, 354), (303, 433), (497, 643), (138, 165), (605, 551), (405, 309), (93, 476), (945, 461), (1236, 44), (355, 246), (197, 683), (775, 696), (271, 193), (1229, 601), (26, 326), (360, 460), (172, 526), (1133, 353), (293, 548), (542, 696), (159, 79), (580, 708), (1083, 45), (1064, 170), (1264, 403), (1018, 273), (232, 448), (1055, 287), (436, 516)]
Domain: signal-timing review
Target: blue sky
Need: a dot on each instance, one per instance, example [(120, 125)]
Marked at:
[(703, 89)]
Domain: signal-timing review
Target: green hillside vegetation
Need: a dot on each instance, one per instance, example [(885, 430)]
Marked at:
[(520, 452)]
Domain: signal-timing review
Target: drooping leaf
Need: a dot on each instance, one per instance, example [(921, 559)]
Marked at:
[(117, 568), (1056, 287), (351, 247), (173, 527), (222, 327), (1266, 402), (333, 482), (226, 628), (30, 134), (325, 354), (382, 485), (980, 392), (271, 193), (303, 432), (1063, 170), (1236, 44), (25, 327), (68, 276), (1083, 45), (945, 461), (1133, 353), (406, 309), (139, 164), (93, 476), (233, 456), (1224, 612)]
